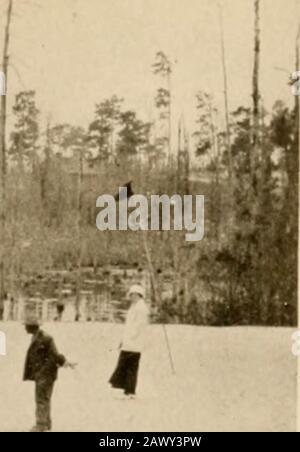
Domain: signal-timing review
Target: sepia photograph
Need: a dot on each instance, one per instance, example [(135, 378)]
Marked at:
[(149, 188)]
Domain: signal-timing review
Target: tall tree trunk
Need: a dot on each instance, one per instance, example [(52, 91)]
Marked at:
[(175, 236), (225, 84), (297, 131), (3, 158), (297, 120), (216, 161), (79, 235), (255, 96), (169, 120), (231, 175), (186, 163), (259, 179)]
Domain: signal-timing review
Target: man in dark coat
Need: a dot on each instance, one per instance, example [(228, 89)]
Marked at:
[(41, 366)]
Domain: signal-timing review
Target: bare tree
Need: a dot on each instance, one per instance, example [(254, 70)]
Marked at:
[(3, 156), (228, 140), (79, 234), (255, 93)]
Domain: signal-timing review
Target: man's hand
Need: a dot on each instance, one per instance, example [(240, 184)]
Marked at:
[(70, 365)]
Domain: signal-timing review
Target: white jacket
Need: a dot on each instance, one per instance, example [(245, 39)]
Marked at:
[(136, 322)]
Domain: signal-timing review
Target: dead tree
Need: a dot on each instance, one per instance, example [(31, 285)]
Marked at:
[(79, 233), (3, 157), (225, 84), (255, 96), (230, 165)]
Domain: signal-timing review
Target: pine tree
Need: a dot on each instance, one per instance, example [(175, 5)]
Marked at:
[(163, 101), (24, 137), (102, 130)]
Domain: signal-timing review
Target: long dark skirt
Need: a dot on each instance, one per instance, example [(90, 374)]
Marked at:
[(126, 372)]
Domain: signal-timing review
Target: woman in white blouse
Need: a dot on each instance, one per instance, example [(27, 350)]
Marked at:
[(126, 372)]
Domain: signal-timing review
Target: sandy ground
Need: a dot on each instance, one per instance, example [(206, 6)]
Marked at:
[(227, 379)]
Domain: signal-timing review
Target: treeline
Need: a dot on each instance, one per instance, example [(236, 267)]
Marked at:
[(244, 271), (245, 268)]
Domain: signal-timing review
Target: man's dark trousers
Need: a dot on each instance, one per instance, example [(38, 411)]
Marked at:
[(43, 393), (41, 366)]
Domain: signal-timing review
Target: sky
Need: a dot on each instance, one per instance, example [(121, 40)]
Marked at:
[(75, 53)]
